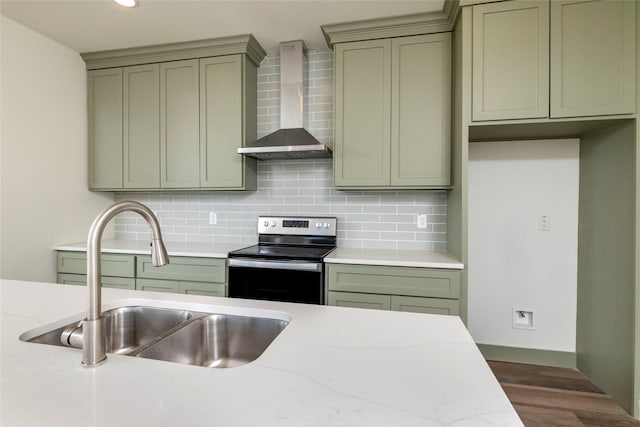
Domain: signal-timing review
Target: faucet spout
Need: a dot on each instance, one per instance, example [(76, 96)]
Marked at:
[(93, 348)]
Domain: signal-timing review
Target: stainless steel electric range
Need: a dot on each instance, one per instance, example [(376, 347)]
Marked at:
[(287, 263)]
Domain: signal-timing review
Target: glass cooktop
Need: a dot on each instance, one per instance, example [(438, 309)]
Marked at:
[(306, 253)]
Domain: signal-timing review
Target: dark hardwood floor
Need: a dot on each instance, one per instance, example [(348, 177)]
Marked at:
[(550, 397)]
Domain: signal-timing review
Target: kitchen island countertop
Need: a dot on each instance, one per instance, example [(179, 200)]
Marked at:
[(331, 366)]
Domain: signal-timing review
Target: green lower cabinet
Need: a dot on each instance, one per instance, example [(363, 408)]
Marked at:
[(410, 281), (212, 270), (118, 270), (394, 303), (355, 300), (184, 275), (204, 289), (176, 286), (107, 282), (153, 285), (425, 305), (110, 264), (413, 289)]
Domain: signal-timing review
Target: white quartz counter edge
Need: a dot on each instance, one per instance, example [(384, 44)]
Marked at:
[(382, 257), (398, 258), (141, 247), (331, 366)]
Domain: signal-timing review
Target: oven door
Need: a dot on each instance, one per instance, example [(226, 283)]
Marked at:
[(289, 281)]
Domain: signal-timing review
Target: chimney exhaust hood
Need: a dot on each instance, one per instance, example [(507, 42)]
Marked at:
[(292, 141)]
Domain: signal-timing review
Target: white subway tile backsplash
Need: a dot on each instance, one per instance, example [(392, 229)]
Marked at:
[(366, 219)]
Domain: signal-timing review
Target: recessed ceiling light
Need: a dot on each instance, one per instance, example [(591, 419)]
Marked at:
[(127, 3)]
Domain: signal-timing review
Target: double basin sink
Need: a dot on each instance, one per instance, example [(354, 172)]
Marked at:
[(177, 335)]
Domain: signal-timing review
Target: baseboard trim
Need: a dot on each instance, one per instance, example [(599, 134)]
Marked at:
[(560, 359)]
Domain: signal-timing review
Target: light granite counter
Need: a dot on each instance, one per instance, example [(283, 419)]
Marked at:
[(141, 247), (331, 366), (390, 257)]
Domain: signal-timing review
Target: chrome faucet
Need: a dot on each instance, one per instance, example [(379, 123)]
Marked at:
[(93, 329)]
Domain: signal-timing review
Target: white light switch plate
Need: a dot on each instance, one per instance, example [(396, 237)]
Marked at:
[(422, 221), (544, 222)]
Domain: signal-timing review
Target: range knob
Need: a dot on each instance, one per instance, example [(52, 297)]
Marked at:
[(273, 223), (327, 225), (318, 225), (266, 223)]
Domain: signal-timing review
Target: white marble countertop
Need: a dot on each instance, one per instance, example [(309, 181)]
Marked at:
[(402, 258), (331, 366), (390, 257), (141, 247)]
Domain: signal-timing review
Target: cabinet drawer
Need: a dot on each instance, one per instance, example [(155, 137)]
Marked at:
[(185, 269), (206, 289), (111, 264), (355, 300), (425, 305), (407, 281), (107, 282), (153, 285)]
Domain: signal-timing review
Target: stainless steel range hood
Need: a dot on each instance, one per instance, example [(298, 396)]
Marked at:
[(292, 141)]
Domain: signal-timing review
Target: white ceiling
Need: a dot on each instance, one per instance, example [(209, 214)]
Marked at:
[(93, 25)]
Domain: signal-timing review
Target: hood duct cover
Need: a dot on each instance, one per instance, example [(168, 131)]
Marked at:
[(292, 141)]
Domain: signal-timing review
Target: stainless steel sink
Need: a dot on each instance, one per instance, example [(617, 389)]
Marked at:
[(174, 335), (127, 328), (217, 341)]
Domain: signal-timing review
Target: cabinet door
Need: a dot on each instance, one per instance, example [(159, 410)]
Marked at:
[(425, 305), (153, 285), (206, 289), (212, 270), (355, 300), (221, 122), (179, 124), (105, 128), (110, 264), (105, 281), (511, 60), (421, 111), (362, 116), (592, 57), (141, 127), (411, 281)]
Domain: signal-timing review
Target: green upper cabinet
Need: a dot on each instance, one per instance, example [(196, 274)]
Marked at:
[(105, 128), (228, 111), (592, 57), (421, 111), (363, 114), (173, 117), (392, 113), (511, 60), (566, 58), (179, 121), (141, 162)]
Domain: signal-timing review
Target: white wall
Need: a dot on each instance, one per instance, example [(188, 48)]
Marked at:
[(512, 263), (43, 188)]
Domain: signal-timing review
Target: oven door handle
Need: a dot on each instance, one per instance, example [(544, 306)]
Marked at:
[(278, 265)]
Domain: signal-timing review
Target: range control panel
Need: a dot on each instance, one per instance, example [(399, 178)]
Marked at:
[(301, 226)]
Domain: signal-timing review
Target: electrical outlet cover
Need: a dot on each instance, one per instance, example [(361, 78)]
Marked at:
[(523, 318)]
